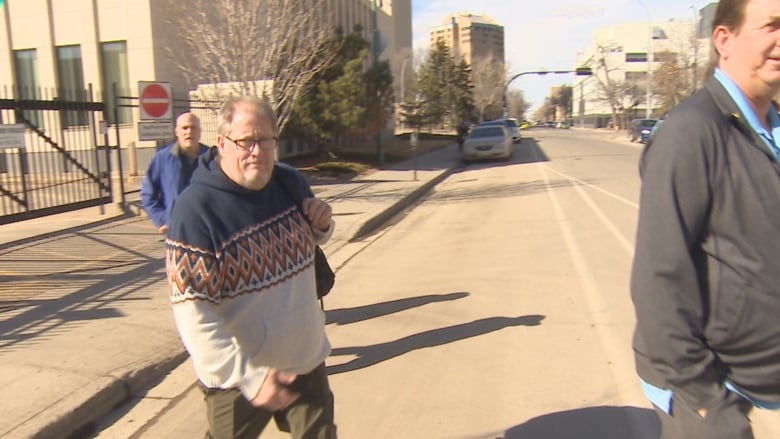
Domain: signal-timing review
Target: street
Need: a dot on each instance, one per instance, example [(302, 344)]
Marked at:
[(497, 307)]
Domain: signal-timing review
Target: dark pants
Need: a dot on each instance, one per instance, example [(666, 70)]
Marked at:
[(729, 420), (230, 415)]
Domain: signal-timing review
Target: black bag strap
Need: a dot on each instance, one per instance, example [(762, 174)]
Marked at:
[(286, 178)]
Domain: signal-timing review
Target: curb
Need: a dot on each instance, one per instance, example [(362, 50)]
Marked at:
[(374, 223), (80, 421)]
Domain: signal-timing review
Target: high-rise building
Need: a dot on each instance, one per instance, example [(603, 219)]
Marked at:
[(471, 37)]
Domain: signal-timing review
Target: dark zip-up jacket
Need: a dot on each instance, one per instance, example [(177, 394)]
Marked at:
[(706, 274)]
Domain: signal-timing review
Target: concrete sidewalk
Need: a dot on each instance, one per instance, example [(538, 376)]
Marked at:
[(85, 321)]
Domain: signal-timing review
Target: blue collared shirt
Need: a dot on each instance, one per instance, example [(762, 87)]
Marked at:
[(662, 398), (772, 138)]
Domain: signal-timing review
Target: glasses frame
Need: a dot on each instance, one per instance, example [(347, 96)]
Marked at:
[(255, 143)]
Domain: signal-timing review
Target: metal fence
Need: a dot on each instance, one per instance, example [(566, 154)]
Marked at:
[(63, 164)]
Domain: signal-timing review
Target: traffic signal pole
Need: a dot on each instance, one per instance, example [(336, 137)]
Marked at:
[(580, 71)]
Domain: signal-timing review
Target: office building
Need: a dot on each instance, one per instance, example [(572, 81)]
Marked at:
[(57, 49), (470, 37)]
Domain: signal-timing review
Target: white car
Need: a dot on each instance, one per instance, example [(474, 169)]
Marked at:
[(487, 142), (509, 123)]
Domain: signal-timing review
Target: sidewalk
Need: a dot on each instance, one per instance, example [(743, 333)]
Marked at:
[(85, 321)]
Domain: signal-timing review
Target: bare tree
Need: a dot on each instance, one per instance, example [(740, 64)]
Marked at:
[(251, 47), (619, 94), (488, 75), (670, 83), (516, 104)]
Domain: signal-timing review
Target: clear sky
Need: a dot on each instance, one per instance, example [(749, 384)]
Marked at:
[(546, 34)]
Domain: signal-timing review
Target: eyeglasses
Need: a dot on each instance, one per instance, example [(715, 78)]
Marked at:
[(248, 144)]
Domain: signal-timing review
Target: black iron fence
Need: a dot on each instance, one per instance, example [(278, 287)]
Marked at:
[(59, 163)]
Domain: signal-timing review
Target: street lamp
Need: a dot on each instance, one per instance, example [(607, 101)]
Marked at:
[(403, 70), (695, 46), (649, 98)]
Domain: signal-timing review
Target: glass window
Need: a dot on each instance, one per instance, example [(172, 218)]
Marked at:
[(26, 69), (636, 57), (71, 84), (115, 72)]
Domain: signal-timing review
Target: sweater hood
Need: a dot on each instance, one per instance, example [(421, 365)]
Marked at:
[(209, 173)]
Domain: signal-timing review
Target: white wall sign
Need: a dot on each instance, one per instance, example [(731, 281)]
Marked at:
[(12, 136), (155, 130)]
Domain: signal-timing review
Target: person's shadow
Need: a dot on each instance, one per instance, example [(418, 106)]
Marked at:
[(370, 355), (604, 422)]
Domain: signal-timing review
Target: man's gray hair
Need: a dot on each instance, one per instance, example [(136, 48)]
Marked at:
[(262, 108)]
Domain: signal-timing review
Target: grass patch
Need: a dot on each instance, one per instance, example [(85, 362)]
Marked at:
[(345, 163)]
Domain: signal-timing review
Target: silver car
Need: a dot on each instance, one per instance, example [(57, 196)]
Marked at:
[(511, 125), (486, 142)]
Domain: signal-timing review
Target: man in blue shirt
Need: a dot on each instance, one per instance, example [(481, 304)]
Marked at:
[(170, 171), (705, 280)]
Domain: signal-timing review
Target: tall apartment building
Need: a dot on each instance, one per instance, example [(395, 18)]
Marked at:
[(70, 45), (470, 37)]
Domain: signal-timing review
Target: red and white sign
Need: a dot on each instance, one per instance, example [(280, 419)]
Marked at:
[(155, 100)]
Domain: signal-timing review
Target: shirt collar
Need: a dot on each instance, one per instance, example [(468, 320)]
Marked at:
[(747, 110), (772, 136)]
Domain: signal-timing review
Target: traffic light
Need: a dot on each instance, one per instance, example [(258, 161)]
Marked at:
[(583, 71)]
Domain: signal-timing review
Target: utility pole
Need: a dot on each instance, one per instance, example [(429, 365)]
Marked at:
[(375, 60), (580, 71), (695, 48), (649, 103)]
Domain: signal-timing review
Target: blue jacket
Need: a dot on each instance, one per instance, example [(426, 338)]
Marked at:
[(165, 179)]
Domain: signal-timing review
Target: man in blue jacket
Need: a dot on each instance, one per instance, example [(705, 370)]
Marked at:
[(170, 171), (705, 281)]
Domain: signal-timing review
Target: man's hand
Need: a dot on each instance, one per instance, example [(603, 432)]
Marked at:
[(274, 394), (163, 229), (317, 212)]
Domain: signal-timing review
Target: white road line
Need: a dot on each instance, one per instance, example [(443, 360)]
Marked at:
[(614, 347), (604, 191)]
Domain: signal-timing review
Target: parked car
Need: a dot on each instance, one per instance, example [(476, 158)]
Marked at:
[(655, 128), (640, 129), (486, 142), (509, 123)]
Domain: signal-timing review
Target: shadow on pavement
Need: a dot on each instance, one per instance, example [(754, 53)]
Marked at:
[(370, 355), (346, 316), (603, 422)]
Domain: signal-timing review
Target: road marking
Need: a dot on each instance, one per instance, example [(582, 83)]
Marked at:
[(622, 240), (604, 191), (610, 342)]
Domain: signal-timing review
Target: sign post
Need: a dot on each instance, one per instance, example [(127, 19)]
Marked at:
[(156, 107)]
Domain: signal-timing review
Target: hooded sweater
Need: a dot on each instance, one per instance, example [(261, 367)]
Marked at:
[(241, 274)]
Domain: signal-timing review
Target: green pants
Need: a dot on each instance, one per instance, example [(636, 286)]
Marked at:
[(230, 415)]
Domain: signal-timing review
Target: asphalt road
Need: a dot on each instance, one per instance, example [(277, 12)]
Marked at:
[(496, 308)]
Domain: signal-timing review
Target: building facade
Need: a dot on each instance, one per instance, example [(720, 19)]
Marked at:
[(58, 49), (470, 37), (622, 58)]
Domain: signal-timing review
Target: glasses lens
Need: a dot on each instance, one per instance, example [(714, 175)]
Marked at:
[(248, 144)]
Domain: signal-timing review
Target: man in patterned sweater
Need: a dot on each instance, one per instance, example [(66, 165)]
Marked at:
[(240, 255)]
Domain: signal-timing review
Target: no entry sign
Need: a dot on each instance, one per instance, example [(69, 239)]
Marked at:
[(155, 100)]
